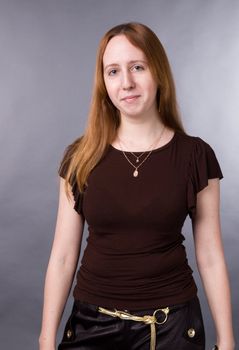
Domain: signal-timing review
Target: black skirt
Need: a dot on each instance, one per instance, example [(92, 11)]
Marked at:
[(89, 329)]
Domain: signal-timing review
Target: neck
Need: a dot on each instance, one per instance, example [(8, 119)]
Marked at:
[(140, 133)]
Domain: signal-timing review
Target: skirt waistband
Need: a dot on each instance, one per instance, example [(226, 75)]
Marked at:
[(147, 319), (159, 316)]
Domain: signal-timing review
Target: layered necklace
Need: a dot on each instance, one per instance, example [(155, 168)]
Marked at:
[(150, 150)]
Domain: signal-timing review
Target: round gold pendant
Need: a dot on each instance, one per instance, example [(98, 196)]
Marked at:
[(135, 173)]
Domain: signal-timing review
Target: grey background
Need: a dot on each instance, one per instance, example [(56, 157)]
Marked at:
[(47, 62)]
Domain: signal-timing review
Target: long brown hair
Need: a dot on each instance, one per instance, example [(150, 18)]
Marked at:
[(104, 118)]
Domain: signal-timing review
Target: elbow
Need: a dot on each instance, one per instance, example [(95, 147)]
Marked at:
[(210, 261), (64, 263)]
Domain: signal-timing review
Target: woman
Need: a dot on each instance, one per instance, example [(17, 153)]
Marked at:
[(134, 176)]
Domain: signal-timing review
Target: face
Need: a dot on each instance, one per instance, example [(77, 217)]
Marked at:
[(128, 79)]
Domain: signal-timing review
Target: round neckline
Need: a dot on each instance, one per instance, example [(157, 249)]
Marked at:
[(153, 151)]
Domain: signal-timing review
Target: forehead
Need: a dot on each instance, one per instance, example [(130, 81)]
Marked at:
[(119, 50)]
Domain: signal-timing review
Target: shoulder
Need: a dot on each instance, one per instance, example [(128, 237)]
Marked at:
[(193, 143), (190, 139), (67, 156), (70, 148), (201, 157)]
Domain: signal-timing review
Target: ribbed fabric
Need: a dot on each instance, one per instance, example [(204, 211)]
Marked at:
[(134, 257)]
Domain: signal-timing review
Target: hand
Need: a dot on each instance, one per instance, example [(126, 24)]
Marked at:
[(227, 346), (46, 345)]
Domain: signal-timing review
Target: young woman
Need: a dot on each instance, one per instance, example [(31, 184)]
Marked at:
[(134, 176)]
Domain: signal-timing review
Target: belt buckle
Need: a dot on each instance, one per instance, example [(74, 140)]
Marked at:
[(165, 311)]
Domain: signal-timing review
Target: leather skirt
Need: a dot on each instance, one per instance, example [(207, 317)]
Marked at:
[(89, 329)]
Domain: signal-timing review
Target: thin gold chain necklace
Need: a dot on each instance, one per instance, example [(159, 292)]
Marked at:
[(140, 155), (136, 172)]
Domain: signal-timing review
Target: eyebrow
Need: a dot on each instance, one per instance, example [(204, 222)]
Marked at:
[(130, 62)]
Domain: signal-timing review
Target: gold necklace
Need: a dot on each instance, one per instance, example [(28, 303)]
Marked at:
[(138, 156), (136, 172)]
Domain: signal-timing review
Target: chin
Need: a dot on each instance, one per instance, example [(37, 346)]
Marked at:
[(133, 113)]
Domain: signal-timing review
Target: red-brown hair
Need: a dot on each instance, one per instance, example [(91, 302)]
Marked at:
[(104, 119)]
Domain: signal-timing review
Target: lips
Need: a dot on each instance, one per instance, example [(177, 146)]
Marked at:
[(130, 98)]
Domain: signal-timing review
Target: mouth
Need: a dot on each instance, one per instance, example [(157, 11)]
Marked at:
[(130, 98)]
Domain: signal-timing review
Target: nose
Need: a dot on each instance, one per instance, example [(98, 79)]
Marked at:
[(127, 81)]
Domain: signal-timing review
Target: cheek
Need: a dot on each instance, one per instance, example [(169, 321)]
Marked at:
[(111, 89), (147, 83), (152, 88)]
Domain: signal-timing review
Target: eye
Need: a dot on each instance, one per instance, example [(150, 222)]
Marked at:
[(137, 67), (112, 72)]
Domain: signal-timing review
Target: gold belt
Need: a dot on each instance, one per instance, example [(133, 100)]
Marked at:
[(147, 319)]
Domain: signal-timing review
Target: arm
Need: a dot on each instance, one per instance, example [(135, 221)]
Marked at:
[(61, 268), (211, 262)]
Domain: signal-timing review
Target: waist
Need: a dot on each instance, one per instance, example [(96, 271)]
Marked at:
[(137, 294), (128, 266)]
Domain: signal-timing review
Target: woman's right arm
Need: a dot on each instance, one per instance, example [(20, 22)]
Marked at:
[(61, 268)]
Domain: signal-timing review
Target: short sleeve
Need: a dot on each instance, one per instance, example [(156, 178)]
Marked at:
[(203, 166), (62, 170)]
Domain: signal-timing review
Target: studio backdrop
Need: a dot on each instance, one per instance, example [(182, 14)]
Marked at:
[(47, 60)]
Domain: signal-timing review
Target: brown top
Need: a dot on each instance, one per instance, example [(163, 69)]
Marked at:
[(134, 258)]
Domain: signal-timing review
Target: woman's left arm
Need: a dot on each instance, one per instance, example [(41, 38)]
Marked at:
[(211, 262)]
